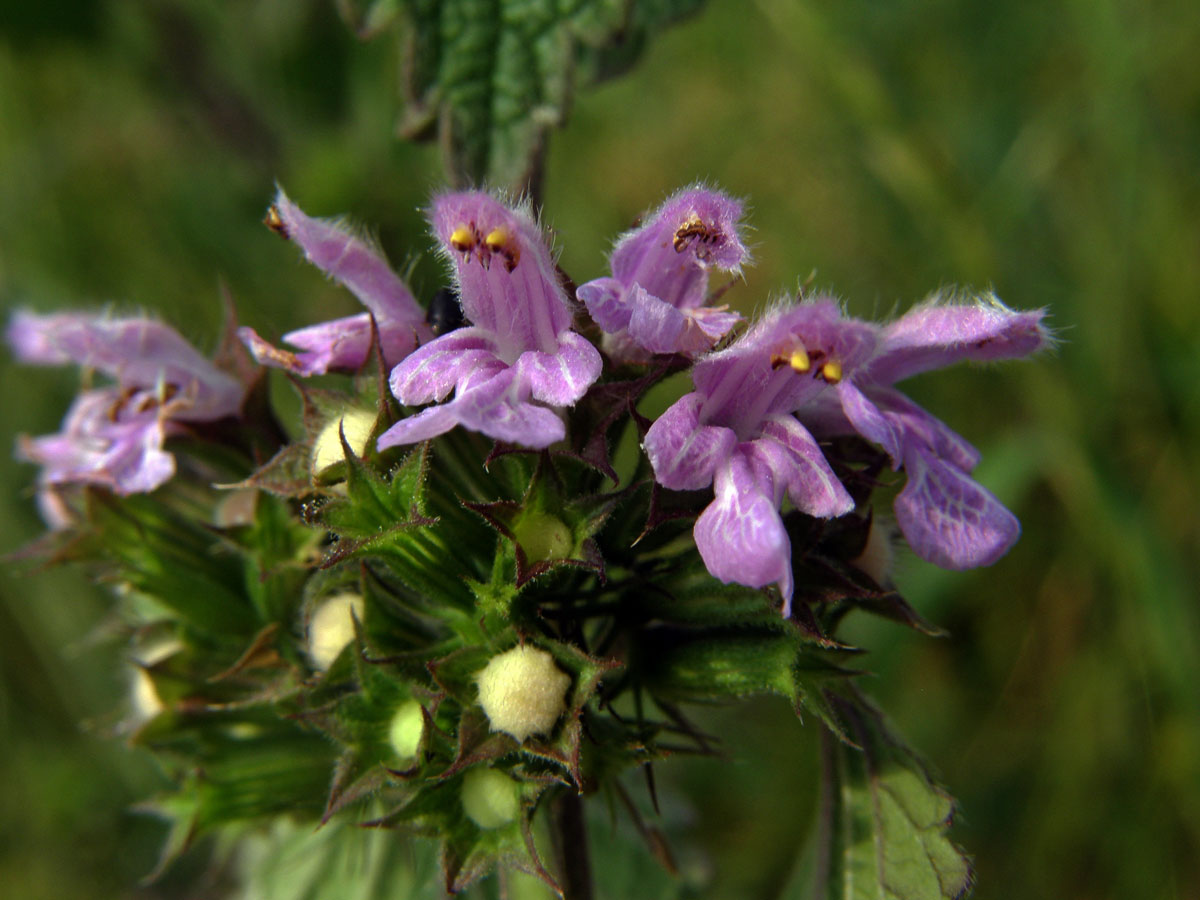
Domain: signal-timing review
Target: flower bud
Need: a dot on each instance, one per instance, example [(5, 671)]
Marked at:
[(489, 798), (406, 728), (327, 450), (522, 691), (332, 627), (143, 695), (544, 537)]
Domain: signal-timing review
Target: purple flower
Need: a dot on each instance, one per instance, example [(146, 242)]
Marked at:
[(342, 343), (655, 299), (518, 357), (741, 430), (114, 435)]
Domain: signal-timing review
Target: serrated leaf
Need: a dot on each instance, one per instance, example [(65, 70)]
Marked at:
[(884, 820), (490, 79)]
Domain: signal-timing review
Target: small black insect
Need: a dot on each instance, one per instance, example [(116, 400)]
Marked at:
[(445, 311)]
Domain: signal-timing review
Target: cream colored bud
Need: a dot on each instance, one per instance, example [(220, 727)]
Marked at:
[(489, 798), (332, 627), (522, 691), (406, 728), (143, 696), (327, 450)]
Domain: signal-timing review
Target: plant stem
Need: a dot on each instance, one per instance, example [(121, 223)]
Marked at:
[(571, 846)]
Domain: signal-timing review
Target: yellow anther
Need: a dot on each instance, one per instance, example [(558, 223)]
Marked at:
[(832, 371), (497, 239), (500, 241), (462, 238), (799, 360)]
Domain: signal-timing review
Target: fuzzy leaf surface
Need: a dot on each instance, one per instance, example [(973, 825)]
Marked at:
[(489, 78), (883, 819)]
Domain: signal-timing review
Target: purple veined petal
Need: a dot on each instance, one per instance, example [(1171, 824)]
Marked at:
[(915, 424), (337, 345), (740, 535), (605, 302), (661, 328), (353, 262), (948, 518), (715, 322), (423, 426), (561, 378), (657, 325), (936, 334), (684, 453), (507, 281), (868, 421), (694, 230), (820, 327), (751, 381), (491, 404), (138, 352), (126, 455), (443, 364), (795, 460)]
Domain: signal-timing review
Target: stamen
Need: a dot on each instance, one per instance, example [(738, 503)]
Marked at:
[(799, 360), (274, 221), (832, 371), (462, 238), (694, 228), (500, 241)]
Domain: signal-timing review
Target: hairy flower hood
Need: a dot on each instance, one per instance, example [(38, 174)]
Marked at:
[(518, 358)]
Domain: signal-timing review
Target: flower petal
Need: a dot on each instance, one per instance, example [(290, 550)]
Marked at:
[(935, 334), (605, 302), (446, 362), (125, 455), (948, 518), (869, 421), (913, 423), (354, 262), (794, 459), (560, 378), (507, 280), (138, 352), (740, 535), (336, 345), (489, 403), (661, 328), (669, 256), (683, 453)]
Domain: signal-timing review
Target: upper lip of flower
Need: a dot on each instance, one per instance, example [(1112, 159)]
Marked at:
[(518, 352), (355, 262), (657, 293)]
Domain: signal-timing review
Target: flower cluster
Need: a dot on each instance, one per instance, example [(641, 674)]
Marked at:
[(752, 428)]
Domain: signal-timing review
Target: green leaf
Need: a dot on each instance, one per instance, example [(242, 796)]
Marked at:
[(489, 78), (882, 830), (294, 861)]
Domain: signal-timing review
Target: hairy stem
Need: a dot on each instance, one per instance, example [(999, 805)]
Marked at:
[(571, 846)]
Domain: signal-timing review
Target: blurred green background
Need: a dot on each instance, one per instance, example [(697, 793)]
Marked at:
[(1051, 150)]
